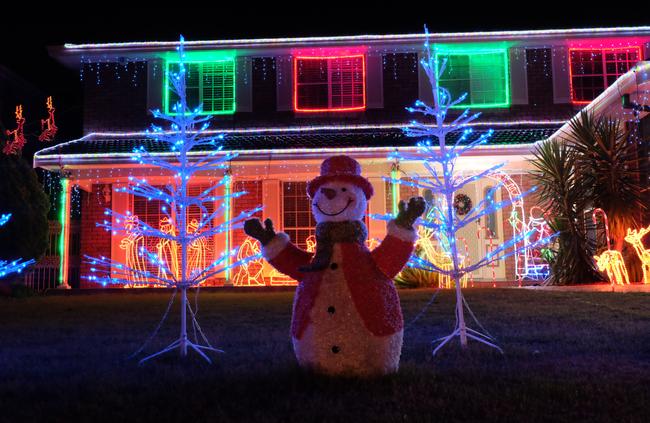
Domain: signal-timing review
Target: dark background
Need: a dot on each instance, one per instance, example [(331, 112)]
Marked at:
[(28, 75)]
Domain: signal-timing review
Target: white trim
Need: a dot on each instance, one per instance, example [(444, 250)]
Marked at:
[(480, 35), (301, 130), (49, 157)]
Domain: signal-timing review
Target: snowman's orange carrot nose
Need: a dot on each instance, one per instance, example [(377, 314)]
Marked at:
[(328, 192)]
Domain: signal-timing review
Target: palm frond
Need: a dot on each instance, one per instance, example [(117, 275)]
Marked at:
[(564, 196), (608, 165)]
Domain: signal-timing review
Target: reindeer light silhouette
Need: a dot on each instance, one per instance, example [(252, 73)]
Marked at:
[(48, 126), (634, 238), (16, 138), (610, 261)]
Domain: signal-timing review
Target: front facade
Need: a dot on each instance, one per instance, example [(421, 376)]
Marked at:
[(286, 104)]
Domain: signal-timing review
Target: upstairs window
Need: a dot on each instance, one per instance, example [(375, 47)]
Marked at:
[(211, 84), (329, 84), (482, 74), (593, 70)]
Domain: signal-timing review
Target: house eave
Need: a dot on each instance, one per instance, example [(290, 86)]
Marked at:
[(366, 39), (70, 51), (57, 161)]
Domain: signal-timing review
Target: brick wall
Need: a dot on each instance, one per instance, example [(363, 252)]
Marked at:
[(115, 96), (245, 202), (94, 241)]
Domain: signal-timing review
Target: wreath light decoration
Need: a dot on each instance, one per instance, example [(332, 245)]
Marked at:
[(462, 204)]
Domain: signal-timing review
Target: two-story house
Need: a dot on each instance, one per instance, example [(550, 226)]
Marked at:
[(285, 104)]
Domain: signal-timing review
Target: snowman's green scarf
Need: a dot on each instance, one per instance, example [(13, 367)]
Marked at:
[(328, 234)]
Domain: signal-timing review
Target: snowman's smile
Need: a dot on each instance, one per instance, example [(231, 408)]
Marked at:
[(350, 200)]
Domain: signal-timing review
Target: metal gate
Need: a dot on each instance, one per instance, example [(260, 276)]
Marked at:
[(45, 273)]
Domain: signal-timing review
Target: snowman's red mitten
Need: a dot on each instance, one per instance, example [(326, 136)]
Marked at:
[(264, 234), (407, 215)]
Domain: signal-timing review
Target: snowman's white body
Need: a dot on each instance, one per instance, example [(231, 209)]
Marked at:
[(336, 323), (336, 340)]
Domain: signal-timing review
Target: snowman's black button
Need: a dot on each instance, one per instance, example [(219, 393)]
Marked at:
[(336, 349), (331, 309), (334, 266)]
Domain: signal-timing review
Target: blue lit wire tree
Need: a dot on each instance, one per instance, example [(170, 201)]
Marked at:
[(187, 135), (443, 179), (16, 266)]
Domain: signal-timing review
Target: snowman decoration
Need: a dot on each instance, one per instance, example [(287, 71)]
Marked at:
[(347, 318)]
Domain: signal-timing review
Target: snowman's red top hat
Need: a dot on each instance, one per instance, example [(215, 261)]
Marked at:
[(340, 168)]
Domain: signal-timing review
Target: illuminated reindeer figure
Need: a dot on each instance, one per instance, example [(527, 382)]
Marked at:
[(610, 261), (442, 259), (48, 126), (634, 238), (16, 140)]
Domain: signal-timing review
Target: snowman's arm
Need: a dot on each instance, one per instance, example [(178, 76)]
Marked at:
[(395, 250), (285, 256)]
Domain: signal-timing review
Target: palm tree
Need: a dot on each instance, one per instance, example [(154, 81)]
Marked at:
[(564, 197), (608, 166)]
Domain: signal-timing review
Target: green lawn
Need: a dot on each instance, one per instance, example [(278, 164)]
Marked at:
[(569, 357)]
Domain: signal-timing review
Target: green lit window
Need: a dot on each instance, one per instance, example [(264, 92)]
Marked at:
[(482, 74), (211, 84)]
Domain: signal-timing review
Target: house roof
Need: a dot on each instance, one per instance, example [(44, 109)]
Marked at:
[(367, 38), (70, 54), (109, 148)]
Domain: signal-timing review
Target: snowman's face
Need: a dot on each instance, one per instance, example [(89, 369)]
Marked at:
[(338, 201)]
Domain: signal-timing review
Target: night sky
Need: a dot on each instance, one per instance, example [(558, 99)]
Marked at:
[(28, 75)]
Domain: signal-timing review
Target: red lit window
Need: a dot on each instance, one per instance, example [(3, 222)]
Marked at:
[(325, 84), (593, 70)]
